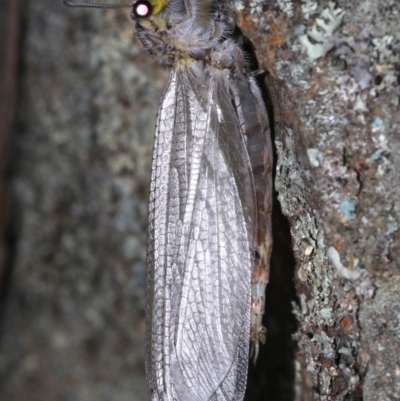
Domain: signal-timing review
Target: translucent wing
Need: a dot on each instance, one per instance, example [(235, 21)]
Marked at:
[(201, 235)]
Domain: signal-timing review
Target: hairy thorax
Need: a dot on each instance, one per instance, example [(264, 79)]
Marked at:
[(186, 42)]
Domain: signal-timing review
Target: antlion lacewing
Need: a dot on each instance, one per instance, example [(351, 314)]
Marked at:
[(209, 235)]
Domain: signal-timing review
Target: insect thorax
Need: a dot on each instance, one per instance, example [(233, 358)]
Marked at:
[(186, 41)]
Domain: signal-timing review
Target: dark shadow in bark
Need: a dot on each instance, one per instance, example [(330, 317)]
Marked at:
[(273, 377), (10, 162)]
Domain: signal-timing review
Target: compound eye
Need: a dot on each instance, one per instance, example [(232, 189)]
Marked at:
[(142, 9)]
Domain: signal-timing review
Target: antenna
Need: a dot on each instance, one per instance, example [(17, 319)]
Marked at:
[(72, 3)]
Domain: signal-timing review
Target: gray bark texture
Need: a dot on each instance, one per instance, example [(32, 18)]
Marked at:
[(73, 326), (334, 80), (72, 323)]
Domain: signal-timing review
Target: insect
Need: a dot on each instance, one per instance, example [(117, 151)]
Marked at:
[(209, 236)]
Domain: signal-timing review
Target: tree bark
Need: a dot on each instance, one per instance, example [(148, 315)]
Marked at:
[(333, 76), (73, 321)]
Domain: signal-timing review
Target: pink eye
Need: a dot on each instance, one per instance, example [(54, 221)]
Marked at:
[(142, 9)]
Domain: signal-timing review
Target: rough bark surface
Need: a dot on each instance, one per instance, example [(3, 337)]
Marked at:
[(334, 73), (72, 327)]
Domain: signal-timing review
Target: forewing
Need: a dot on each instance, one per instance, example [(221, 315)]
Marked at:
[(216, 248), (201, 235), (166, 209)]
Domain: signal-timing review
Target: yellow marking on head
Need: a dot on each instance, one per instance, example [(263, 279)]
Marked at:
[(158, 5)]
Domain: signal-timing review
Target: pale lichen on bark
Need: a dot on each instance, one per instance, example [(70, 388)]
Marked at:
[(338, 154)]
